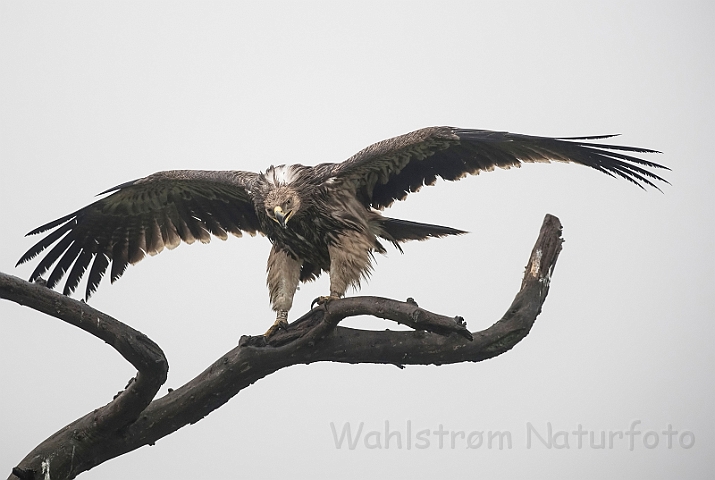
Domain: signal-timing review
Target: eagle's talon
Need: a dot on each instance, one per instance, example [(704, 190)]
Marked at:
[(279, 324), (323, 300)]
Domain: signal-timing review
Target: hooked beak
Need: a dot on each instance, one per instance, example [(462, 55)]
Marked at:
[(281, 217)]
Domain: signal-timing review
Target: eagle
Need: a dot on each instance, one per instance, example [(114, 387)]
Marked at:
[(322, 218)]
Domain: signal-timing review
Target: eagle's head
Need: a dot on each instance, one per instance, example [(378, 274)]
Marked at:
[(282, 190), (281, 203)]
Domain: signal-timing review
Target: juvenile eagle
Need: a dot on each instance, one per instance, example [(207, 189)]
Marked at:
[(319, 219)]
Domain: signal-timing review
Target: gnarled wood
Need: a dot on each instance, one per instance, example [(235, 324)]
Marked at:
[(132, 419)]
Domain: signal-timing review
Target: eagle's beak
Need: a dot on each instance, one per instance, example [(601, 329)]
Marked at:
[(281, 217)]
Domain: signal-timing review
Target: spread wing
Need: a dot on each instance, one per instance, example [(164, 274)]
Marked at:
[(142, 217), (389, 170)]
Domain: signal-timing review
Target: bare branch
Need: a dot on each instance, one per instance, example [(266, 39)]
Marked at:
[(61, 450), (132, 420)]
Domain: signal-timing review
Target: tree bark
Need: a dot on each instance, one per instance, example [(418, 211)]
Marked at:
[(133, 419)]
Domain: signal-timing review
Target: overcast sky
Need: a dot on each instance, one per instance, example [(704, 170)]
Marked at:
[(94, 94)]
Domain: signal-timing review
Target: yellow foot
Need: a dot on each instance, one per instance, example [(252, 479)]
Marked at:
[(323, 300), (277, 325)]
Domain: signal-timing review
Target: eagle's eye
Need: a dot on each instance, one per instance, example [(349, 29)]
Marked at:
[(289, 202)]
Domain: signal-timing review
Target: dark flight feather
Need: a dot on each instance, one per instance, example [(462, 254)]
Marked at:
[(389, 170), (140, 217)]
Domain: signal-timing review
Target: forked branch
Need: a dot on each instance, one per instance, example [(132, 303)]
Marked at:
[(132, 419)]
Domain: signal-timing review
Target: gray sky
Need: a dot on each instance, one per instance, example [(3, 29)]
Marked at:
[(98, 93)]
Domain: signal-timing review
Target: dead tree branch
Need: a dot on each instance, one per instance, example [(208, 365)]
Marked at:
[(132, 419)]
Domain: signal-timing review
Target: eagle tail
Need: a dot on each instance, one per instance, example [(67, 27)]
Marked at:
[(402, 230)]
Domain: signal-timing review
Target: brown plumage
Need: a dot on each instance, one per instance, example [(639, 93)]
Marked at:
[(320, 219)]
